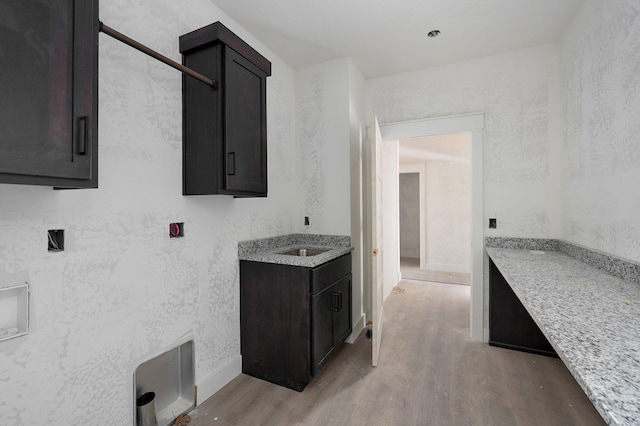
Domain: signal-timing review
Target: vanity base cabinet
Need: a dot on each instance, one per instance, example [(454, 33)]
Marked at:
[(331, 321), (293, 319), (274, 323)]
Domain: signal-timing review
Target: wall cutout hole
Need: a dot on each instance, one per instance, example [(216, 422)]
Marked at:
[(55, 239), (176, 230), (493, 223)]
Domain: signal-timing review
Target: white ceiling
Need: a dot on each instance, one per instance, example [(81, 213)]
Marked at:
[(385, 37)]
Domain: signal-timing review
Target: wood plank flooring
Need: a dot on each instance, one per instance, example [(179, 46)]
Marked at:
[(430, 373)]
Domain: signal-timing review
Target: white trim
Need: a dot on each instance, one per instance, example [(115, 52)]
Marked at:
[(473, 123), (391, 284), (420, 168), (477, 238), (357, 329), (216, 381), (433, 126)]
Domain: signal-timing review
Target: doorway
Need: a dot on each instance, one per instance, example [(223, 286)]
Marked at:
[(435, 208), (472, 124)]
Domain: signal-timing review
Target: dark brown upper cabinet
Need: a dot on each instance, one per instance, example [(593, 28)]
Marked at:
[(224, 128), (49, 92)]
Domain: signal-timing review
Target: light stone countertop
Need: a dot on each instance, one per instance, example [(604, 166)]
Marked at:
[(268, 250), (591, 318)]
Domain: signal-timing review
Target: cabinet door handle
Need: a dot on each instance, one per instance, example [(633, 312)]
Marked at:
[(82, 135), (231, 163), (339, 301), (336, 301)]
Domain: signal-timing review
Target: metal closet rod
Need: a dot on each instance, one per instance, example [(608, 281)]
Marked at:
[(144, 49)]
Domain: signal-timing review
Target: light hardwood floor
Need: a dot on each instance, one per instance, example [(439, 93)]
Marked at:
[(430, 373)]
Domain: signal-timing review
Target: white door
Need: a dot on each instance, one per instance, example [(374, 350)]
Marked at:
[(376, 240)]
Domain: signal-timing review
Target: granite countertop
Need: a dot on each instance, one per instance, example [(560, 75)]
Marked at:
[(591, 318), (268, 250)]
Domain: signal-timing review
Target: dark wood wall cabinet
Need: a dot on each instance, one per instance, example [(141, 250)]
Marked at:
[(49, 93), (224, 128), (510, 325), (293, 319)]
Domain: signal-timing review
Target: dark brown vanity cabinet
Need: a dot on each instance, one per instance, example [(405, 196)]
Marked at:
[(224, 128), (293, 319), (48, 92), (331, 311)]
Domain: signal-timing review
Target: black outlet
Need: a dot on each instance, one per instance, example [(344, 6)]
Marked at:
[(306, 220), (493, 223), (55, 240)]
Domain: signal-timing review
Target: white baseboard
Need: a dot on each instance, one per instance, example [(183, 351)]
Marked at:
[(397, 279), (357, 329), (465, 269), (412, 253), (216, 381)]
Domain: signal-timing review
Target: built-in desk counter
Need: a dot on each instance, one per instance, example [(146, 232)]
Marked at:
[(592, 320)]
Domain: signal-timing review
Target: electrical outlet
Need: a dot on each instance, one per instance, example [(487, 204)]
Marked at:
[(176, 230), (306, 220), (493, 223), (55, 240)]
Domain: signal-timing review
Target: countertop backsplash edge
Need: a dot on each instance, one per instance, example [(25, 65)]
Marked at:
[(616, 266), (262, 244)]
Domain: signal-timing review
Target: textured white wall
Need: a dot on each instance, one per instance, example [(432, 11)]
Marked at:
[(323, 139), (448, 216), (122, 291), (519, 93), (601, 78)]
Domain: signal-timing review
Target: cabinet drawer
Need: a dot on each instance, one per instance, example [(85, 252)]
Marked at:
[(328, 273)]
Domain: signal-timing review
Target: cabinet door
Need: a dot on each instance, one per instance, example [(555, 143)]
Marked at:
[(322, 305), (245, 125), (48, 61), (341, 310)]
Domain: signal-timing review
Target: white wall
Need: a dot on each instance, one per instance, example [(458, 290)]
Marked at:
[(329, 137), (519, 93), (390, 217), (448, 216), (323, 141), (122, 291), (601, 79)]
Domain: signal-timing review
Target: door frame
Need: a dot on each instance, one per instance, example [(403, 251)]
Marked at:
[(422, 184), (465, 123)]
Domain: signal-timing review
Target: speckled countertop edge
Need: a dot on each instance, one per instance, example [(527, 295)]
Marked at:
[(268, 250), (591, 318)]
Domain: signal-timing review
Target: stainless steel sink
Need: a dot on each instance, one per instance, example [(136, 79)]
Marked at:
[(304, 252)]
